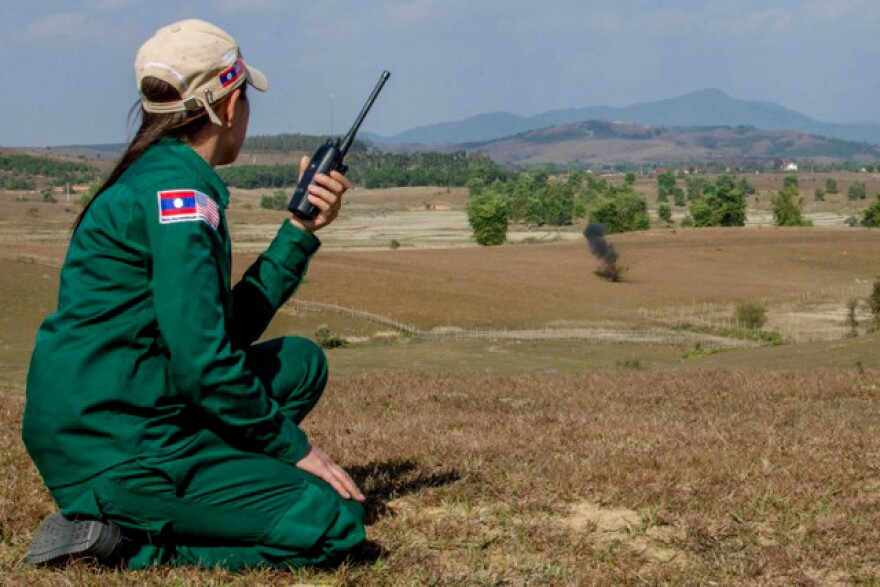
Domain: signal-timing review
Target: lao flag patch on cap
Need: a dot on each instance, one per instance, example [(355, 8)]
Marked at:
[(187, 206), (232, 73)]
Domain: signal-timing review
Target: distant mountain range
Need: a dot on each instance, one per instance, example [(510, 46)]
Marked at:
[(699, 109), (597, 142), (703, 126)]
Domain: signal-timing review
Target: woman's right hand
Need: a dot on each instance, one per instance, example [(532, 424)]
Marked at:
[(325, 194), (321, 466)]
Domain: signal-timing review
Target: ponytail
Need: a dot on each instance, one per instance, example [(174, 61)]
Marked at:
[(153, 127)]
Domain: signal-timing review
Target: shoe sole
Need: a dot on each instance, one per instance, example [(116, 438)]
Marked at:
[(58, 540)]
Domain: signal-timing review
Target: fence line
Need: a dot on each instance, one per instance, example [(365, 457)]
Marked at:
[(651, 335)]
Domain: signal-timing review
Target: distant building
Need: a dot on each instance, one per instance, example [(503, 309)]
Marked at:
[(789, 166)]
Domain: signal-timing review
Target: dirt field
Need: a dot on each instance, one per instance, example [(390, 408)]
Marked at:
[(500, 461)]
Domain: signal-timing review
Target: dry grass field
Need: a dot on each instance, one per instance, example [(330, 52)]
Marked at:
[(541, 462), (714, 477)]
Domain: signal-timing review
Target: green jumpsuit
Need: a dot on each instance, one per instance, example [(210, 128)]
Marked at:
[(148, 403)]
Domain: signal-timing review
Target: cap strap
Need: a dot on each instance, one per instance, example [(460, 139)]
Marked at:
[(191, 104)]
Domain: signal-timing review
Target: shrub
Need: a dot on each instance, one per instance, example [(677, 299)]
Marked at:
[(328, 339), (831, 186), (630, 363), (871, 216), (395, 244), (852, 316), (723, 205), (819, 195), (277, 200), (786, 210), (665, 212), (856, 191), (752, 316), (488, 217), (874, 304), (621, 213)]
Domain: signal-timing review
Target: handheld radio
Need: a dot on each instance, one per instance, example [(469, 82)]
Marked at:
[(329, 157)]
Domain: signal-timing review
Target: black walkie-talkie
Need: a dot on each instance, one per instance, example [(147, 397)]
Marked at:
[(329, 157)]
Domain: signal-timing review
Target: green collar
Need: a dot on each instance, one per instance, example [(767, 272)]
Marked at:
[(190, 157)]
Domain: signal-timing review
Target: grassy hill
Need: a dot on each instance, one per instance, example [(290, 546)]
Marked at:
[(598, 142)]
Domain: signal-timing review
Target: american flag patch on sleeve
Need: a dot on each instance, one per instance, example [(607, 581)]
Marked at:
[(187, 206)]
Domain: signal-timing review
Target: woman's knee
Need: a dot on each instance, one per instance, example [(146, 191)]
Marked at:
[(312, 355), (321, 526), (304, 372)]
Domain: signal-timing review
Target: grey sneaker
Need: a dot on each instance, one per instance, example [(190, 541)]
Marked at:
[(59, 540)]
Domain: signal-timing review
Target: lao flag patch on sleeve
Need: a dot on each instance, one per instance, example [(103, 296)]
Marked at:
[(187, 206)]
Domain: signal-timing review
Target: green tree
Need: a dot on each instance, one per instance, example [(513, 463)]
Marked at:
[(722, 205), (856, 191), (665, 186), (678, 197), (664, 212), (623, 212), (629, 179), (694, 187), (553, 204), (520, 192), (791, 182), (488, 217), (831, 186), (747, 188), (871, 215), (787, 210), (819, 195)]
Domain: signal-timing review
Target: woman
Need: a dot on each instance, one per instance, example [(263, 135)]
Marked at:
[(150, 410)]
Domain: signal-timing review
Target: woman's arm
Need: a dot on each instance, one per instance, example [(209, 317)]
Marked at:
[(190, 292), (278, 272)]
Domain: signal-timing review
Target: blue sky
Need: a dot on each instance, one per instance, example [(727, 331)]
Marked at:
[(69, 76)]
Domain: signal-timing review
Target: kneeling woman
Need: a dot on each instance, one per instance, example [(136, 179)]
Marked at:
[(162, 431)]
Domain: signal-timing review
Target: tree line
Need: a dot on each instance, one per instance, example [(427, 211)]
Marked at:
[(293, 142), (536, 199), (374, 169), (21, 172)]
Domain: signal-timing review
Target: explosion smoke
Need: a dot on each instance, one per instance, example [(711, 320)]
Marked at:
[(604, 251)]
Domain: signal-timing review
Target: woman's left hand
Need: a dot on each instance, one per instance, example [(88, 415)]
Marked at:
[(326, 195)]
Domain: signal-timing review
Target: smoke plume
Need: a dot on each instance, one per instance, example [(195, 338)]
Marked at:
[(604, 251)]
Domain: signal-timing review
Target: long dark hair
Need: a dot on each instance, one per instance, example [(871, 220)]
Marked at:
[(153, 127)]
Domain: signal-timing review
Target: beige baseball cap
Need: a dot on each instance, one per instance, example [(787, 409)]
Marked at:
[(200, 60)]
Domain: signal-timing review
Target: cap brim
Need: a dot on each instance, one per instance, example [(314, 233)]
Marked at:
[(256, 78)]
